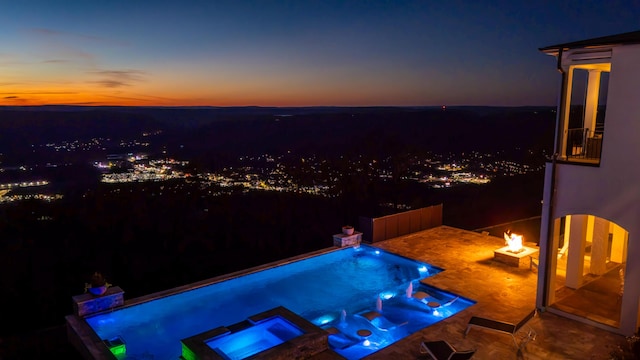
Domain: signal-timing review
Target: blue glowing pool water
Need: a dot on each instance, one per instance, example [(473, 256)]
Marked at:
[(334, 290), (255, 339)]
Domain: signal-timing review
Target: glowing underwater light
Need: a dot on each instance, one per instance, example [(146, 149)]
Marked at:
[(386, 295), (324, 319), (116, 346)]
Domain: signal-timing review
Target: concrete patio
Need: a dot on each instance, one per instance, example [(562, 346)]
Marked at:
[(502, 292)]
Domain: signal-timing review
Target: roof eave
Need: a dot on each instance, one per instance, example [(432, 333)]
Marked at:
[(604, 41)]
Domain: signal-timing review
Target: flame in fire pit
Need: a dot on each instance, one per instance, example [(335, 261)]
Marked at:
[(514, 241)]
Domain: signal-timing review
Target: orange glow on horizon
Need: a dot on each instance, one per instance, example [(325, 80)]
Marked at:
[(87, 98), (131, 88)]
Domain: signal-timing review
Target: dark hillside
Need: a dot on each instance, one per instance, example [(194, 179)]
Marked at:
[(258, 130), (384, 132)]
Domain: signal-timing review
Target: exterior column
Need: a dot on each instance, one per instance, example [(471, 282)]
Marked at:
[(619, 244), (553, 265), (546, 267), (599, 246), (591, 106), (577, 226), (565, 113)]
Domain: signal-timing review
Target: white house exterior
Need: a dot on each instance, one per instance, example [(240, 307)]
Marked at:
[(589, 268)]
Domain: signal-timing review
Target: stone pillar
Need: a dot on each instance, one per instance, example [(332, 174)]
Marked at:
[(591, 106), (342, 240), (577, 229), (566, 97), (599, 246), (87, 304), (552, 267), (619, 244), (546, 266)]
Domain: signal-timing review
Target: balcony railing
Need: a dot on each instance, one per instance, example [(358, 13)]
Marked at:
[(583, 143)]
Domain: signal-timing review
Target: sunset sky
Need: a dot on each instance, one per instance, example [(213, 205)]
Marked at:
[(293, 53)]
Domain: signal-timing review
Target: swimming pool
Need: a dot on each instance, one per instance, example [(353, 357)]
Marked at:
[(333, 290)]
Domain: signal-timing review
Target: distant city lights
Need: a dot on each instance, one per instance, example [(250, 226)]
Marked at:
[(287, 172)]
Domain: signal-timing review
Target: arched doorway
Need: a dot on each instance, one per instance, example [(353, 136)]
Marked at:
[(590, 265)]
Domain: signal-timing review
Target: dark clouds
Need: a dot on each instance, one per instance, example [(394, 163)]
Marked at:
[(118, 78)]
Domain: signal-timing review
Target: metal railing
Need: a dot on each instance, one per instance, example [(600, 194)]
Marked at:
[(583, 143)]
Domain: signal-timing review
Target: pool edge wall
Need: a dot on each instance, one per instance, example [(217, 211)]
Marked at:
[(85, 340)]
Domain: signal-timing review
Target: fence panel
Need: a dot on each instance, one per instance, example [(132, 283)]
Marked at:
[(390, 226)]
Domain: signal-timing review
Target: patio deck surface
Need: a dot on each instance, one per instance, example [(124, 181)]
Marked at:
[(502, 292)]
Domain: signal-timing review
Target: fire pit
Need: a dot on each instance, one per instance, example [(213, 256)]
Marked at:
[(514, 252)]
